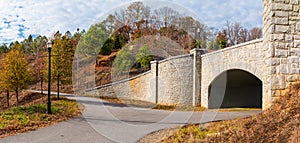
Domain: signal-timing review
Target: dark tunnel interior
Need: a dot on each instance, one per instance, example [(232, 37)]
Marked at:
[(235, 89)]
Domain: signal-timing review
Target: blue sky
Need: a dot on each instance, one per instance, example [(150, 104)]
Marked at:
[(19, 18)]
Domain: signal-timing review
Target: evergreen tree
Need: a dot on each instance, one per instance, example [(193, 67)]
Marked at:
[(144, 57), (124, 61)]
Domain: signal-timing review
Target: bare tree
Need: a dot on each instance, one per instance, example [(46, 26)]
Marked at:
[(166, 16), (120, 19), (233, 31), (255, 33), (243, 36), (137, 12)]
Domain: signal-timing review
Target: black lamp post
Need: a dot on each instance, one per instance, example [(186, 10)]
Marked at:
[(49, 46)]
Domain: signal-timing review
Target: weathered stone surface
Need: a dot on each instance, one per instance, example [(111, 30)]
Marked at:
[(295, 2), (281, 20), (281, 28), (298, 26), (281, 14), (281, 53), (292, 78), (281, 6)]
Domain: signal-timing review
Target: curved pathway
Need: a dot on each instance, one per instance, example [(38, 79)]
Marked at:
[(103, 122)]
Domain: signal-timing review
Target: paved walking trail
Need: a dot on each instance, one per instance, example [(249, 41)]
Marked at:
[(103, 122)]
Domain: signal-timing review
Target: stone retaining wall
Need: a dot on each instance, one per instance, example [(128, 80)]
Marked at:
[(175, 80), (174, 83)]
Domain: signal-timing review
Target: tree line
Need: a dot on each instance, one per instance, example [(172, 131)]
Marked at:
[(26, 62), (137, 20), (232, 34)]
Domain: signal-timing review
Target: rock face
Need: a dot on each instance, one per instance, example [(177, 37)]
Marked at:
[(187, 79)]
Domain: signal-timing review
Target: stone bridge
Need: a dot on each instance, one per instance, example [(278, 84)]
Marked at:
[(252, 74)]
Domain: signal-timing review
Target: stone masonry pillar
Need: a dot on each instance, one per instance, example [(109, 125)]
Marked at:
[(281, 41), (154, 70), (196, 53)]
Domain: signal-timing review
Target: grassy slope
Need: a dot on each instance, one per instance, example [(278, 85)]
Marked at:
[(33, 116), (277, 124)]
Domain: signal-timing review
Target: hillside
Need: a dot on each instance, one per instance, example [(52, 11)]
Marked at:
[(279, 123), (160, 48)]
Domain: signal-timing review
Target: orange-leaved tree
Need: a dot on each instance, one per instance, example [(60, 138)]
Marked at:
[(16, 73)]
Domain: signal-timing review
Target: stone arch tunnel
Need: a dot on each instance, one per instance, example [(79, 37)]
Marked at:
[(235, 89)]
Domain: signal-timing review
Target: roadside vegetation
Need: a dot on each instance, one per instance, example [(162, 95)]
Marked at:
[(145, 104), (32, 116), (279, 123)]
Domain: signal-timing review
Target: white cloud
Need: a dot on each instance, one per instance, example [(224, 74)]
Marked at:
[(46, 17)]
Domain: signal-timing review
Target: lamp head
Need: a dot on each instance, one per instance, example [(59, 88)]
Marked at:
[(49, 45)]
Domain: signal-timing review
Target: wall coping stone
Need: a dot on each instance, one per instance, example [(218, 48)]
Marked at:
[(118, 82), (175, 57), (234, 47)]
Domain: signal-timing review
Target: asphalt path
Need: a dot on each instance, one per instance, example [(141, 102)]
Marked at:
[(103, 122)]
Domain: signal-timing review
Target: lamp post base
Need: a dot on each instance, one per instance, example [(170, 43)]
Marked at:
[(49, 108)]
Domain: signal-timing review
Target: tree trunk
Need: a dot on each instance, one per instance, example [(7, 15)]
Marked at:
[(7, 97), (17, 95), (58, 76), (41, 85)]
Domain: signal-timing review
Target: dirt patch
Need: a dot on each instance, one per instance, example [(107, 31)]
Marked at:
[(25, 98), (158, 136)]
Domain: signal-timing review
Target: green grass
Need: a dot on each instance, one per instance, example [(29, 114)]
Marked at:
[(190, 133), (34, 116)]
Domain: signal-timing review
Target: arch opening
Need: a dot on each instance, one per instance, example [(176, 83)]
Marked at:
[(235, 89)]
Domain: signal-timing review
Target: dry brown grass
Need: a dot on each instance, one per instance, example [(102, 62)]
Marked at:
[(32, 116), (145, 104), (279, 123)]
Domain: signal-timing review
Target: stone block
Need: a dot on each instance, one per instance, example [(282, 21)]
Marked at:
[(280, 1), (280, 6), (281, 28), (293, 59), (296, 8), (295, 71), (273, 70), (298, 26), (281, 53), (283, 69), (276, 93), (297, 37), (280, 45), (296, 43), (278, 82), (275, 62), (283, 61), (294, 65), (292, 78), (278, 37), (288, 38), (295, 2), (281, 21), (295, 52)]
